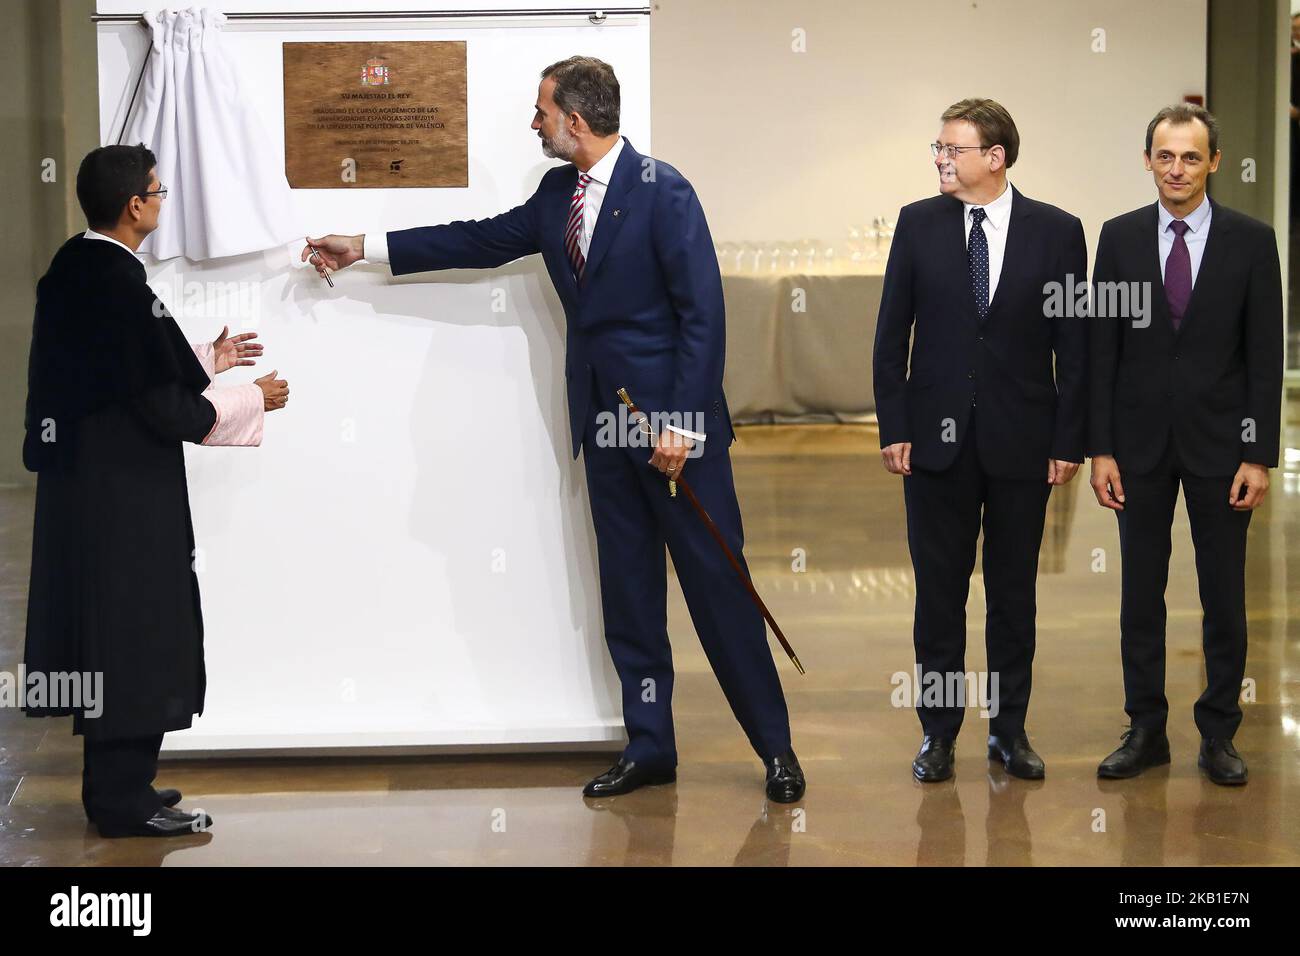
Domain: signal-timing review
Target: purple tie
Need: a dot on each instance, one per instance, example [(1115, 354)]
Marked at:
[(1178, 275)]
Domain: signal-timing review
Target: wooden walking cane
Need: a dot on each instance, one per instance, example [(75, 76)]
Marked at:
[(717, 535)]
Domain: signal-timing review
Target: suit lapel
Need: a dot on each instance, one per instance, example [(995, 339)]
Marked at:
[(558, 213), (1148, 247), (953, 247), (1216, 248), (613, 210), (1015, 249)]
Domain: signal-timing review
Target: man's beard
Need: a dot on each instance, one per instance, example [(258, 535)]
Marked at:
[(561, 146)]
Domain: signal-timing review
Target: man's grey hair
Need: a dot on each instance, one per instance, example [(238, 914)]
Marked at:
[(587, 86)]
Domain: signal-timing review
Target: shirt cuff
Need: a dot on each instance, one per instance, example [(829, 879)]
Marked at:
[(240, 413), (682, 431), (374, 247), (207, 357)]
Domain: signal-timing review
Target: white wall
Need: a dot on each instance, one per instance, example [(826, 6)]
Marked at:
[(408, 560), (784, 145)]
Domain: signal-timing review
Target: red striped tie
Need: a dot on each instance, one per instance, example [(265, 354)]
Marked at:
[(573, 231)]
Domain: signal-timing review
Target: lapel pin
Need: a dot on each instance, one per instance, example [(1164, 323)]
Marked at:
[(617, 211)]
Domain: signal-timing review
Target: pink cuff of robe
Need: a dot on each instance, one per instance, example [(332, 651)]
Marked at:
[(240, 411), (207, 358)]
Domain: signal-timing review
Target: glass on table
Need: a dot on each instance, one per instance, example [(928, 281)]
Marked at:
[(873, 239), (727, 253), (855, 245), (775, 251), (808, 253)]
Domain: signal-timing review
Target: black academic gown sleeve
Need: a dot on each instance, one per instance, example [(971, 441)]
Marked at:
[(173, 412)]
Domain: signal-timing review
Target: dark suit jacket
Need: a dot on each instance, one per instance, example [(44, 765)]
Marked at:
[(1002, 365), (648, 315), (1222, 367)]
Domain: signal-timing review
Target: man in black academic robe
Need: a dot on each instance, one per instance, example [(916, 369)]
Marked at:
[(113, 390)]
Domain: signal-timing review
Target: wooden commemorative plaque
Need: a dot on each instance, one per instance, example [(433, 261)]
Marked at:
[(387, 114)]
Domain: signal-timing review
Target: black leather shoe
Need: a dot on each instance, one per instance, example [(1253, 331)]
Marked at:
[(785, 781), (626, 776), (1016, 756), (169, 798), (934, 760), (1221, 762), (1142, 748), (167, 822)]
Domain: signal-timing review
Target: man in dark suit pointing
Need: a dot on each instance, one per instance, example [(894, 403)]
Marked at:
[(626, 244), (1188, 393), (983, 424)]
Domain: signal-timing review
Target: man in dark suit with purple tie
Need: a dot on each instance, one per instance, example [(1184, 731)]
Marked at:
[(627, 247), (1185, 392)]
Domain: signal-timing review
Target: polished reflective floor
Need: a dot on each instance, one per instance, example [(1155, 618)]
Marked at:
[(826, 540)]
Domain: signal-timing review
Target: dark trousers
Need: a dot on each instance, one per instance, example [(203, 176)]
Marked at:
[(635, 519), (945, 510), (1219, 536), (117, 780)]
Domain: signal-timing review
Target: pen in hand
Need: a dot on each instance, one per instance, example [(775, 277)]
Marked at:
[(324, 271)]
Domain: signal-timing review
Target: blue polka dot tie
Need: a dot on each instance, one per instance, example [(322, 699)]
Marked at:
[(977, 257)]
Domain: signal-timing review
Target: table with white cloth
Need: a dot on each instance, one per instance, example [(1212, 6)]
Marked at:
[(799, 344)]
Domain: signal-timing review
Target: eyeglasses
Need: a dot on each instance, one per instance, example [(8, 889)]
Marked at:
[(160, 192), (951, 152)]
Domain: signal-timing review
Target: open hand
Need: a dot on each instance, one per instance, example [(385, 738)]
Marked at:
[(231, 350)]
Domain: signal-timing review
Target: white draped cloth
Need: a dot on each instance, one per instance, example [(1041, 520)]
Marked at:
[(226, 193)]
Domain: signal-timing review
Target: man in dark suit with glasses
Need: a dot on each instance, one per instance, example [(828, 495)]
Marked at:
[(983, 420)]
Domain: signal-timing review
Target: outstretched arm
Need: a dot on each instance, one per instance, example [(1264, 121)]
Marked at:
[(476, 244)]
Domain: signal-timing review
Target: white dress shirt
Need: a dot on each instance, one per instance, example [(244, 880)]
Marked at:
[(374, 247), (1198, 231), (997, 216), (600, 175), (92, 234)]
